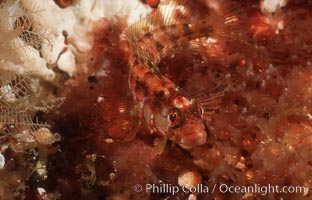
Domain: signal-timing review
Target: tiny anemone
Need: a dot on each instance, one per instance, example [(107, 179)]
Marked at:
[(152, 3), (63, 3)]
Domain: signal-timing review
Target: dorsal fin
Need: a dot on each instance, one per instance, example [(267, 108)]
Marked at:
[(172, 26), (222, 24), (168, 13)]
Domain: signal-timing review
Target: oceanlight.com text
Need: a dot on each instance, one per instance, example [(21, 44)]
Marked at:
[(223, 188)]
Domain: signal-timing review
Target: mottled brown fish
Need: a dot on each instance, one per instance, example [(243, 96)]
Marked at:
[(159, 103)]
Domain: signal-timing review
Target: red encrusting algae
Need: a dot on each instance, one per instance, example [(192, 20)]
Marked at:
[(260, 132)]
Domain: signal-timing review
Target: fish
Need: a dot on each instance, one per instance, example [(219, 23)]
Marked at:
[(167, 110)]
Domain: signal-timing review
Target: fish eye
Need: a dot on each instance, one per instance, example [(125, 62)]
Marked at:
[(174, 118)]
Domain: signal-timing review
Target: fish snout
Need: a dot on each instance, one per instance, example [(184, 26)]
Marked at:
[(192, 137)]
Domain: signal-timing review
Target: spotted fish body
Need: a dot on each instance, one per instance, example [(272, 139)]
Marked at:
[(160, 104), (165, 110)]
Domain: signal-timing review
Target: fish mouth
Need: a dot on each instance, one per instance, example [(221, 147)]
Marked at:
[(194, 139)]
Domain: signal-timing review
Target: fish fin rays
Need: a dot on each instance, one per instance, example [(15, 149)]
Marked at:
[(118, 119), (189, 47), (174, 11), (168, 13), (208, 98), (228, 19), (171, 27), (160, 145)]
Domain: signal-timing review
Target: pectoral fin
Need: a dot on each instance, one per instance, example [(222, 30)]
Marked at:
[(160, 145)]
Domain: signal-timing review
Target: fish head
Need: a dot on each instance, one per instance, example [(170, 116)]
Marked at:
[(179, 119), (185, 120)]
